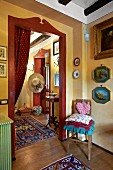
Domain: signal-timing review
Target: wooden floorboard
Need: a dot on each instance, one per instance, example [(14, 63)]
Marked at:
[(38, 155)]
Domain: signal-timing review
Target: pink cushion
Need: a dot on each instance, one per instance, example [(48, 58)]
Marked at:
[(82, 108)]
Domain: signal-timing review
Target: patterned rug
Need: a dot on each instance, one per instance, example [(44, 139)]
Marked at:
[(30, 131), (67, 163)]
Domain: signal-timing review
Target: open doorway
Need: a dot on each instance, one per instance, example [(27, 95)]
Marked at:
[(43, 26), (40, 48)]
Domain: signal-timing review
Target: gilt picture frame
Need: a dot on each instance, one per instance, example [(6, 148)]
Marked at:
[(103, 39)]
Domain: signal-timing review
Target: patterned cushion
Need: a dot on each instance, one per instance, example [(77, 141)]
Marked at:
[(82, 108), (79, 118)]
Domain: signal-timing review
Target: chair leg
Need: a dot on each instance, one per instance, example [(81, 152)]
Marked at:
[(89, 147), (67, 142), (76, 135)]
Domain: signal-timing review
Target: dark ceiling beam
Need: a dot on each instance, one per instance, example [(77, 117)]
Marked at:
[(96, 6), (64, 2), (39, 40)]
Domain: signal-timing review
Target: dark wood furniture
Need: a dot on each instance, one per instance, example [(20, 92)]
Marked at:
[(25, 111), (53, 118)]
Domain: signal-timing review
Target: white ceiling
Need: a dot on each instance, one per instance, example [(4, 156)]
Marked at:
[(34, 36), (75, 9)]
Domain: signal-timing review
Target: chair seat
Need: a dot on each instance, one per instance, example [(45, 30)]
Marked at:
[(80, 123)]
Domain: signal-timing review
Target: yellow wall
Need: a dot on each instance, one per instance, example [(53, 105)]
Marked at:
[(102, 113), (3, 81)]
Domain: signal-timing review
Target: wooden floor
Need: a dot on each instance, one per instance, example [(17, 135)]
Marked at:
[(38, 155)]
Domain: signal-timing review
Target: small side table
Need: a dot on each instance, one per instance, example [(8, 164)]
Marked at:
[(52, 119)]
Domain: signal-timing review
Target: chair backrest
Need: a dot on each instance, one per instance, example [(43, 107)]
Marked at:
[(74, 102)]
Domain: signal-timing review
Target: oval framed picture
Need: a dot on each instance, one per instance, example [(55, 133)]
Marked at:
[(76, 61), (76, 74)]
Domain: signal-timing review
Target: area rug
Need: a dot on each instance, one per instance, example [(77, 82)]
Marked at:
[(30, 131), (67, 163)]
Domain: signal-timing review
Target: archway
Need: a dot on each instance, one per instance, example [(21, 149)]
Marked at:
[(35, 24)]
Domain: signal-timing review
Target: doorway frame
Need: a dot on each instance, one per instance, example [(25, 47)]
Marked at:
[(41, 26)]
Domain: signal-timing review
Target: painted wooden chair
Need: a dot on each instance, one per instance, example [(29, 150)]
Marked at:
[(74, 126)]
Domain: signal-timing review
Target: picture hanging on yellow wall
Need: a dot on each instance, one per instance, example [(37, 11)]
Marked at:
[(2, 53), (56, 80), (55, 47), (101, 95), (3, 71), (103, 39), (101, 74)]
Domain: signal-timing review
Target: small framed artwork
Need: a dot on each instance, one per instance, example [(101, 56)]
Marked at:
[(55, 47), (103, 39), (101, 74), (3, 71), (56, 80), (2, 53), (77, 61), (101, 95)]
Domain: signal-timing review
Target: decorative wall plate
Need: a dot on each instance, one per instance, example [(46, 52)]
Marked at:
[(101, 95), (77, 61), (101, 74), (76, 74)]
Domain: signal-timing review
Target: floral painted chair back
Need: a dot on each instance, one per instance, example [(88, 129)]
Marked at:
[(81, 106)]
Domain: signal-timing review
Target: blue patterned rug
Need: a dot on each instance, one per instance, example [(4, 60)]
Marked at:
[(67, 163), (30, 131)]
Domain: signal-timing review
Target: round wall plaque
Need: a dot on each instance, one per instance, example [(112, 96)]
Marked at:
[(77, 61), (76, 74)]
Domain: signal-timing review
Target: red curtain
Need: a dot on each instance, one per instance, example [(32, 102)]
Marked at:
[(22, 46)]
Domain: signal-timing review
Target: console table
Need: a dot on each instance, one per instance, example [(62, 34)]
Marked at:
[(52, 119)]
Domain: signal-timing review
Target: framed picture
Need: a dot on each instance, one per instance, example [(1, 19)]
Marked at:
[(56, 80), (101, 95), (3, 71), (55, 47), (2, 53), (76, 61), (103, 39), (101, 74)]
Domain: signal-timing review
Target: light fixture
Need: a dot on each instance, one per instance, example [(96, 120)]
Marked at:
[(86, 34)]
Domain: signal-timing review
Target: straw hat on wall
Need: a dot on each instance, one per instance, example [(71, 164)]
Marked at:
[(36, 83)]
